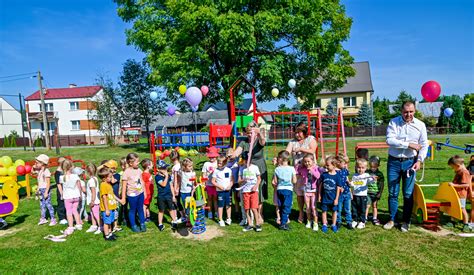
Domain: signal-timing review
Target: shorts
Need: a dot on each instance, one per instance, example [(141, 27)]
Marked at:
[(325, 207), (299, 190), (211, 190), (150, 189), (223, 199), (108, 219), (166, 204), (371, 198), (462, 202), (250, 200), (310, 194)]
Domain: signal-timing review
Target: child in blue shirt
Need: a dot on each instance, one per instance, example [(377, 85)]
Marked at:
[(346, 196), (166, 196), (329, 192), (283, 180)]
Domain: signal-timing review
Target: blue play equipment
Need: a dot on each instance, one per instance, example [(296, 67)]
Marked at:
[(467, 149), (188, 139)]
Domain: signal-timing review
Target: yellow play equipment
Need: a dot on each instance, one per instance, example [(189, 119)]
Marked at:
[(9, 198), (428, 211)]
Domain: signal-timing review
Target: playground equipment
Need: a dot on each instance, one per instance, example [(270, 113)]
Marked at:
[(195, 207), (9, 186), (467, 149), (427, 211)]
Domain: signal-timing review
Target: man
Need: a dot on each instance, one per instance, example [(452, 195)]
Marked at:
[(408, 143)]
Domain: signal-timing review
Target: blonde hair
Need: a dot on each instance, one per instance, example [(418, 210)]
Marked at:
[(131, 157), (361, 161), (342, 158), (311, 156), (331, 159), (229, 152), (123, 163), (222, 159), (91, 169), (146, 163), (66, 165), (186, 162)]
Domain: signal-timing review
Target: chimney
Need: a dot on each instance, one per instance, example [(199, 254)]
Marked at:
[(72, 85)]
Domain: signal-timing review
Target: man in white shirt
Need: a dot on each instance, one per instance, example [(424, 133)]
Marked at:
[(408, 143)]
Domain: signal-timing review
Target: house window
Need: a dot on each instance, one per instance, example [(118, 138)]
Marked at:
[(73, 106), (333, 101), (52, 126), (48, 107), (350, 101), (75, 125), (317, 103)]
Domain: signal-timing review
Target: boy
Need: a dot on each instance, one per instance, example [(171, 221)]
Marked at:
[(108, 203), (166, 196), (59, 193), (222, 180), (112, 165), (249, 179), (329, 192), (374, 188), (283, 180), (360, 181), (461, 182), (346, 195)]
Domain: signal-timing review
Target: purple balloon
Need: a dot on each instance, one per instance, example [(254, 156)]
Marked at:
[(193, 96), (194, 108), (171, 110)]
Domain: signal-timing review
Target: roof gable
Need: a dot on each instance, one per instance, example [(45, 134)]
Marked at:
[(360, 82), (60, 93)]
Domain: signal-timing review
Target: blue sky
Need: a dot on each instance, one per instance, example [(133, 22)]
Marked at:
[(406, 42)]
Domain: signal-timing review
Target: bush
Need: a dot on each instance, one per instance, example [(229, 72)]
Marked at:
[(38, 142), (6, 142)]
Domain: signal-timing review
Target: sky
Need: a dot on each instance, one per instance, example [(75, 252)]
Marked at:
[(406, 43)]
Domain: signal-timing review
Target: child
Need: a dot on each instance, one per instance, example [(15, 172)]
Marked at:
[(222, 180), (374, 188), (59, 193), (249, 180), (134, 192), (147, 179), (116, 186), (44, 184), (93, 198), (360, 181), (174, 157), (283, 180), (185, 177), (108, 202), (276, 163), (72, 196), (82, 205), (166, 197), (346, 197), (329, 192), (310, 175), (233, 165), (470, 168), (207, 171), (461, 182)]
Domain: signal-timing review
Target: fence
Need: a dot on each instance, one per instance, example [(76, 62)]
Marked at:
[(20, 142)]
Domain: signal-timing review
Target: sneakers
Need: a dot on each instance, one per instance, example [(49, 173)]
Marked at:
[(161, 227), (110, 237), (68, 231), (308, 224), (147, 220), (324, 228), (376, 222), (228, 221), (258, 228), (243, 222), (389, 225), (334, 228), (315, 226), (349, 226), (247, 228), (42, 221), (209, 215), (361, 225), (98, 231), (221, 223), (284, 227), (53, 222), (405, 227), (136, 229), (78, 227), (63, 222), (354, 224), (174, 226), (117, 229), (143, 228), (91, 229), (466, 228)]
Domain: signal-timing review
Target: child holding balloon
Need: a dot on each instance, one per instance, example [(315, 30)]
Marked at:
[(44, 184)]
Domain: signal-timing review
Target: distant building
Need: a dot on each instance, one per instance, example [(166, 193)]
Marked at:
[(10, 118)]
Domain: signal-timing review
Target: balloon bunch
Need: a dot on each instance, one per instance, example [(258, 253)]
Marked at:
[(291, 84), (193, 96), (182, 153), (10, 168)]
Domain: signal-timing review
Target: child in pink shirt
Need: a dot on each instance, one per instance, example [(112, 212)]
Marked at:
[(44, 184)]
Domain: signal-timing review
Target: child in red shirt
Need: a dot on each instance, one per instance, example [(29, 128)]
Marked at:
[(147, 166), (461, 182)]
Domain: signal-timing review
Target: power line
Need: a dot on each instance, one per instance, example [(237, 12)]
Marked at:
[(15, 75), (10, 80)]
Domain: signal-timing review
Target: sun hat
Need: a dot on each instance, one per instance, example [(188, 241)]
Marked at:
[(212, 152), (161, 164), (43, 159), (111, 164), (77, 170)]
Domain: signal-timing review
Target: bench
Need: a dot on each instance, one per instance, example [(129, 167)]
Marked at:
[(370, 145)]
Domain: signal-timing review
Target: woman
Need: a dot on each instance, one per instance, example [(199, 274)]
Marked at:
[(257, 158), (301, 145)]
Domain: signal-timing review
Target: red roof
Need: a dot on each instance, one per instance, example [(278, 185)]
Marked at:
[(60, 93)]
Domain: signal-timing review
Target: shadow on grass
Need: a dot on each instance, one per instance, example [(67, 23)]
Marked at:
[(18, 220), (138, 147)]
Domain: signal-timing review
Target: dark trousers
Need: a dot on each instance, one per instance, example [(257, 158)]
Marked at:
[(136, 207), (285, 202), (60, 208), (359, 204)]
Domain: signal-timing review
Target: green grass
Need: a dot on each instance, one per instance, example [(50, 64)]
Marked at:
[(299, 250)]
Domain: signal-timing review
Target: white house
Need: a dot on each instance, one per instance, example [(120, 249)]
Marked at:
[(70, 108), (10, 118)]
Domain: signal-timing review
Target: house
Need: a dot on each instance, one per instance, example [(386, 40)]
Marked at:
[(68, 110), (10, 118), (357, 90)]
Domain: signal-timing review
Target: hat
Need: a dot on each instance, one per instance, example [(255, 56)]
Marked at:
[(77, 170), (212, 152), (43, 159), (161, 164), (111, 164)]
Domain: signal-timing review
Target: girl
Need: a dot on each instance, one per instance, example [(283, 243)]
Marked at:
[(44, 183), (174, 157), (147, 179), (72, 196), (310, 175), (82, 206), (134, 192), (93, 198), (186, 176), (207, 171)]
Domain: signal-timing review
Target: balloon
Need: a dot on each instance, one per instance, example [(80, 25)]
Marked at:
[(153, 95), (20, 170), (431, 91), (6, 161), (182, 89), (193, 96), (171, 110), (182, 153), (166, 153), (448, 112), (275, 92), (292, 83), (27, 169), (158, 153), (19, 162), (204, 90), (12, 171), (3, 171), (194, 108)]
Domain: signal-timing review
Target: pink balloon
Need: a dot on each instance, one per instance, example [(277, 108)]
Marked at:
[(204, 90), (431, 91)]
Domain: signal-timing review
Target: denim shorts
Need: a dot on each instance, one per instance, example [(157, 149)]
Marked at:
[(328, 206), (109, 219), (223, 198)]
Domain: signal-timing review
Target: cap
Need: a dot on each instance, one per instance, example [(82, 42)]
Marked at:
[(161, 164), (43, 159)]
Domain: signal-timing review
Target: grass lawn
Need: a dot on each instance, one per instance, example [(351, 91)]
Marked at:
[(298, 250)]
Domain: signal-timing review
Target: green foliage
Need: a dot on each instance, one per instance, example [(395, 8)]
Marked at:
[(331, 112), (13, 138), (381, 110), (6, 141), (284, 108), (457, 123), (430, 121), (38, 142), (215, 42), (14, 134), (468, 105), (365, 116)]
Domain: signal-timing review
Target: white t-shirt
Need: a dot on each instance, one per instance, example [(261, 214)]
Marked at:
[(186, 184), (223, 177), (294, 144), (284, 175), (359, 183), (70, 188), (174, 172), (249, 174), (93, 183), (209, 168)]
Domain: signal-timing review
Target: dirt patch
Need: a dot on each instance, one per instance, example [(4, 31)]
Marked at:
[(440, 233), (211, 233), (8, 231)]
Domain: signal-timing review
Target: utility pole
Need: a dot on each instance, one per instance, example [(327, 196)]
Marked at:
[(43, 108)]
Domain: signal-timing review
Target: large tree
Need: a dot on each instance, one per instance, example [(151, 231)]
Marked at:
[(457, 123), (468, 105), (365, 116), (269, 42), (381, 110)]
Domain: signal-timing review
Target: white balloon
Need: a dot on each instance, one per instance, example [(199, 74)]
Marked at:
[(292, 83), (153, 95)]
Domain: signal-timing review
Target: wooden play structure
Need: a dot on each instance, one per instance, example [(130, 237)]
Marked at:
[(384, 145), (428, 211)]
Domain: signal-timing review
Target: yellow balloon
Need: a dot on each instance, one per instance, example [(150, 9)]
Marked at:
[(182, 89), (182, 153), (3, 171), (275, 92), (6, 161), (12, 171), (158, 153), (19, 162)]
